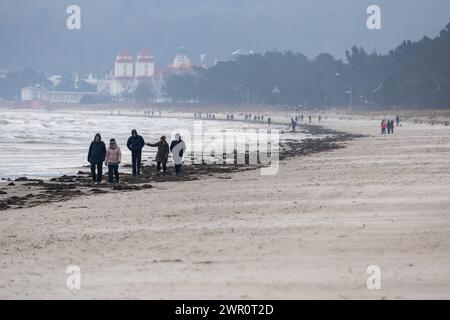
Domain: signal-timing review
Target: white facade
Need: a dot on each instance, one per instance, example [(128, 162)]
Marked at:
[(123, 69), (144, 69), (145, 65), (181, 59), (124, 66), (30, 94)]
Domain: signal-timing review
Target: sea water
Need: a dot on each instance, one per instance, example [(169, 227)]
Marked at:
[(40, 143)]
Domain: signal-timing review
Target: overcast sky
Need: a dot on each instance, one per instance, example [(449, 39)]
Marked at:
[(33, 34)]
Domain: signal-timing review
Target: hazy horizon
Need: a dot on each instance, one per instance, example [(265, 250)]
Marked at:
[(34, 35)]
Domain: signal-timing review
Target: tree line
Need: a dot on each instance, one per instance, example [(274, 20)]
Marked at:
[(413, 75)]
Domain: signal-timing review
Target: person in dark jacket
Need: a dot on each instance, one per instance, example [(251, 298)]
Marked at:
[(135, 144), (177, 147), (96, 156), (162, 155)]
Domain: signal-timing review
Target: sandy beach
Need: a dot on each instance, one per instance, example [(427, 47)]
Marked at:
[(310, 231)]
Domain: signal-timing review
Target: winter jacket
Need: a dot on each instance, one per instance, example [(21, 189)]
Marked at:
[(180, 153), (135, 143), (97, 151), (113, 155), (163, 151)]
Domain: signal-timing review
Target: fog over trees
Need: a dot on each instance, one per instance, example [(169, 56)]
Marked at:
[(415, 74)]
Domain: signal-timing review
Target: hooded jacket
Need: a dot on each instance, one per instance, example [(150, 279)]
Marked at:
[(181, 148), (97, 151), (135, 142), (163, 151)]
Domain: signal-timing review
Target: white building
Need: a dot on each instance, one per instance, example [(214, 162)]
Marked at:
[(124, 66), (32, 95), (145, 65), (181, 59)]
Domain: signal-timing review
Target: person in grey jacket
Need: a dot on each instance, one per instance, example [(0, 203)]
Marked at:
[(162, 155)]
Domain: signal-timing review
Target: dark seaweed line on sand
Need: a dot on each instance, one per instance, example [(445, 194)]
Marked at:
[(68, 187)]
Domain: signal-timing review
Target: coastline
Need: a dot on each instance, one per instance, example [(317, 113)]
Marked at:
[(309, 232), (26, 192)]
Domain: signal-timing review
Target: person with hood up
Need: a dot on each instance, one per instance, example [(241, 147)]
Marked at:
[(135, 144), (177, 147), (112, 161), (96, 156), (162, 154)]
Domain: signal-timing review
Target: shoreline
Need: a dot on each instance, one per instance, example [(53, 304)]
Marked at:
[(26, 192), (309, 232)]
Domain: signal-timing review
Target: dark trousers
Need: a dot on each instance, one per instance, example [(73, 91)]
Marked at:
[(164, 166), (97, 174), (177, 169), (113, 170), (136, 162)]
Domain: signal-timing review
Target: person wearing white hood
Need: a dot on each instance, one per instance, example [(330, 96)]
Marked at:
[(177, 147)]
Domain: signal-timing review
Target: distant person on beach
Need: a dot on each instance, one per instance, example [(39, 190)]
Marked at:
[(319, 118), (383, 126), (293, 124), (112, 161), (397, 120), (309, 118), (269, 121), (177, 147), (390, 126), (96, 157), (301, 117), (162, 155), (135, 144)]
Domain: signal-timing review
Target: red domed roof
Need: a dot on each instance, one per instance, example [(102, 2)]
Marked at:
[(144, 56), (124, 56)]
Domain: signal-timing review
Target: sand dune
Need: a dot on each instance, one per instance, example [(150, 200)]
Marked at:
[(309, 232)]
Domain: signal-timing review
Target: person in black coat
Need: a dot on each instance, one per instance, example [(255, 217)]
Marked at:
[(135, 144), (96, 157)]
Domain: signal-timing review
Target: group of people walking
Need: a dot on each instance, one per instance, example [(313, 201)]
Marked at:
[(112, 156), (387, 126)]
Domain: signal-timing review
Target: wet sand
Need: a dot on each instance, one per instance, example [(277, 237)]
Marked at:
[(308, 232), (25, 192)]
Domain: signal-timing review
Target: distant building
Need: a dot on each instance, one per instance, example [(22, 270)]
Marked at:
[(145, 65), (181, 59), (127, 73), (241, 52), (124, 66), (34, 96)]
